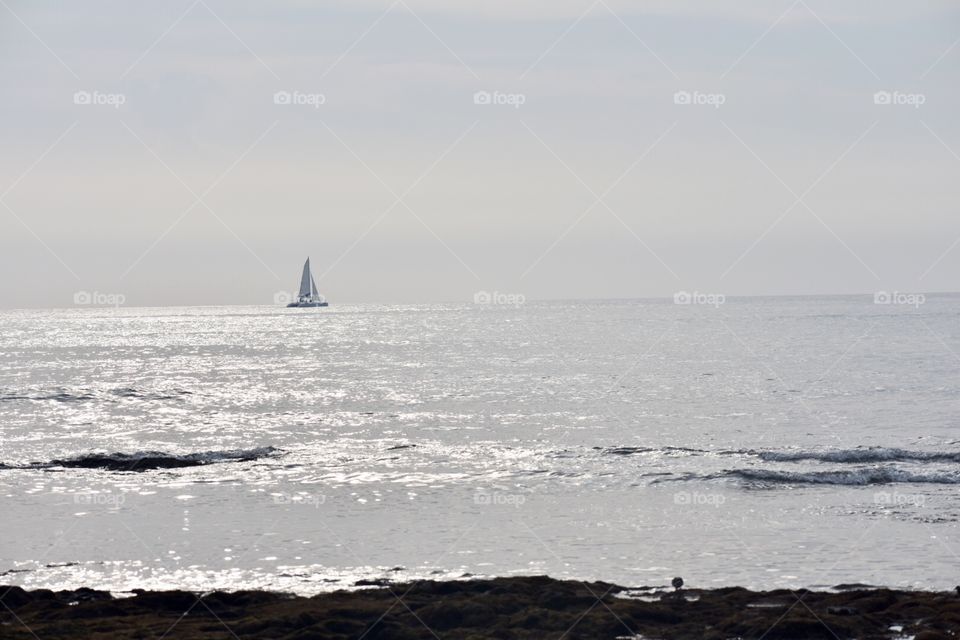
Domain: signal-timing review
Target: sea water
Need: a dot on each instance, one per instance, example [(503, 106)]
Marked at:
[(763, 442)]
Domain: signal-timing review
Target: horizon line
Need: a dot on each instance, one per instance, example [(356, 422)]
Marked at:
[(470, 303)]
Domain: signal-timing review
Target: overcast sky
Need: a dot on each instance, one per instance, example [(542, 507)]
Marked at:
[(146, 150)]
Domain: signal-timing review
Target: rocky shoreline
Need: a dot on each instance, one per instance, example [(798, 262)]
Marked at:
[(502, 608)]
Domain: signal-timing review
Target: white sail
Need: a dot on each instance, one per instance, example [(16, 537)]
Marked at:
[(305, 281)]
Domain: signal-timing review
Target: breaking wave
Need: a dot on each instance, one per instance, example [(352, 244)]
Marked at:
[(83, 395), (148, 460), (629, 451), (854, 477), (142, 394), (58, 395), (860, 455)]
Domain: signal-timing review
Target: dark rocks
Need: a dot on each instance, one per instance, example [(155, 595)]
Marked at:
[(855, 586), (375, 582), (444, 615), (167, 601), (503, 608), (873, 601), (84, 594), (96, 611), (842, 611), (16, 596), (563, 599)]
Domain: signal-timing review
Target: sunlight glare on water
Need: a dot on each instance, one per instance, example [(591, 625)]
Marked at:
[(750, 444)]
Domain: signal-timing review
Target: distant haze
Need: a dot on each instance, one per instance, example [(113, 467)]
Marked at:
[(196, 152)]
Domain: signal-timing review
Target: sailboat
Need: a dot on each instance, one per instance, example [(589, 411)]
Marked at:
[(308, 295)]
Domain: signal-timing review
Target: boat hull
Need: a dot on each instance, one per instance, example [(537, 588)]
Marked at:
[(306, 305)]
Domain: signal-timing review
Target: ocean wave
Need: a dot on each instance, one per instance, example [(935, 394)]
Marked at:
[(852, 477), (148, 460), (83, 395), (629, 451), (58, 395), (859, 455), (142, 394)]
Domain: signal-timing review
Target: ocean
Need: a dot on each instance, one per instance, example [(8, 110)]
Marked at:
[(760, 442)]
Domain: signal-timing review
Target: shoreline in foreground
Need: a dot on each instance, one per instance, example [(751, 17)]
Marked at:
[(501, 608)]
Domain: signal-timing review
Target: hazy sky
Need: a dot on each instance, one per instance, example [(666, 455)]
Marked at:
[(177, 178)]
